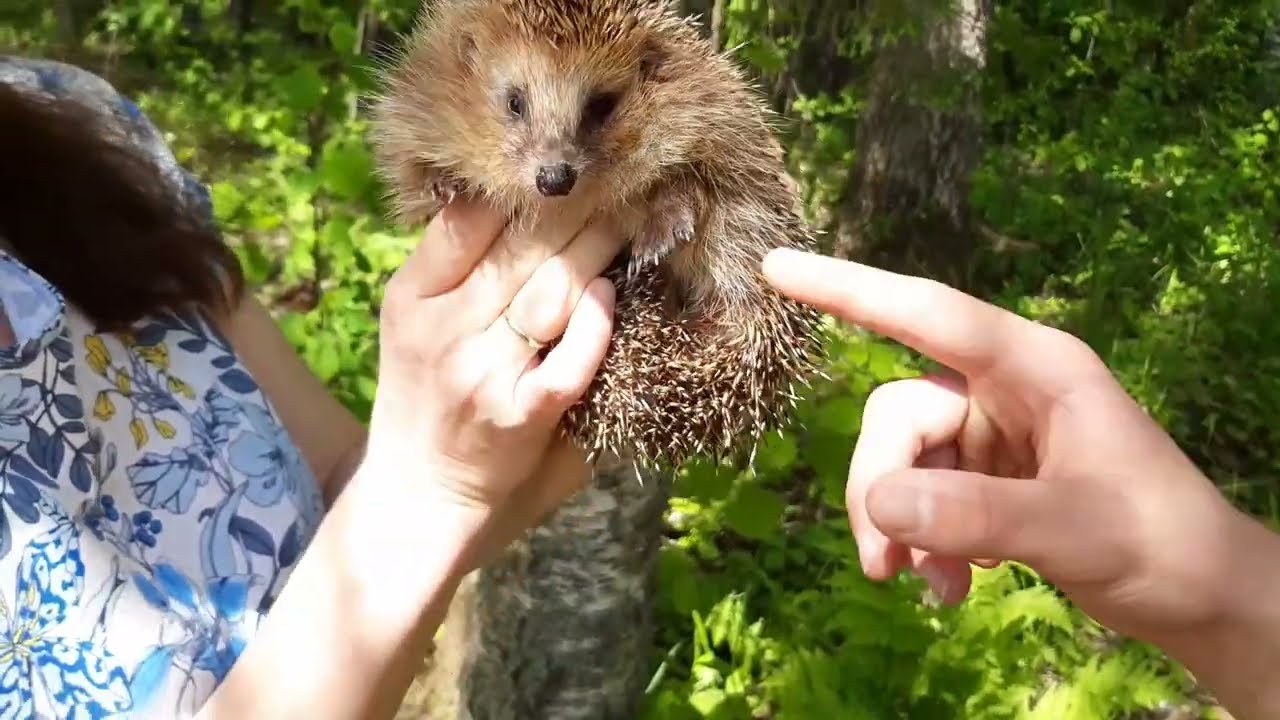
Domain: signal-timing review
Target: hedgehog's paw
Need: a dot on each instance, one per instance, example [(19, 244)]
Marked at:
[(426, 192), (444, 190), (667, 226), (441, 189)]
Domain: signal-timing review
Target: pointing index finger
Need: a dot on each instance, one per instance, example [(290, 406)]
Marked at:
[(955, 329)]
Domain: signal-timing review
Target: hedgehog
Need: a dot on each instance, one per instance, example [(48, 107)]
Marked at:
[(558, 111)]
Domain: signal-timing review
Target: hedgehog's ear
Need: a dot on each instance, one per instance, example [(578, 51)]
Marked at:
[(654, 58), (466, 47)]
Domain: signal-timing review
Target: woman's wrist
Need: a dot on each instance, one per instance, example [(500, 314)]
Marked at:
[(1236, 655), (358, 614), (392, 523)]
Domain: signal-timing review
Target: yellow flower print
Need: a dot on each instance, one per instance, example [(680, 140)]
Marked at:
[(178, 386), (157, 355), (99, 356), (138, 383), (139, 432), (103, 408), (166, 430)]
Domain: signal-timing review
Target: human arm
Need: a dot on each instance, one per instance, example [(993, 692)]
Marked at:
[(329, 437), (1028, 449), (462, 455)]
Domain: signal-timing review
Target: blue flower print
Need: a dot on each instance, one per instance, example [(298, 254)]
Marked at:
[(169, 481), (17, 401), (210, 615), (211, 425), (266, 457), (76, 677)]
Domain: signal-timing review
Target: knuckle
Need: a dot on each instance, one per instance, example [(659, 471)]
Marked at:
[(1068, 348), (542, 306), (924, 295), (395, 296), (551, 399), (885, 401), (984, 524)]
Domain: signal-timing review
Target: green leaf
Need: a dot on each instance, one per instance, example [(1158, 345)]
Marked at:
[(678, 579), (704, 480), (707, 701), (841, 414), (302, 89), (777, 452), (324, 357), (342, 37), (347, 170), (755, 512)]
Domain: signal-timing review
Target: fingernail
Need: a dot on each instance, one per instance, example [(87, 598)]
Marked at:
[(937, 579), (868, 552), (896, 507)]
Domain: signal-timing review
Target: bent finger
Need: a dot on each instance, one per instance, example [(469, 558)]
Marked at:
[(949, 577), (542, 307), (957, 513), (451, 245), (563, 471), (902, 422), (568, 369), (509, 263)]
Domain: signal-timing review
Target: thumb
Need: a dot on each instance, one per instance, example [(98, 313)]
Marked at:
[(969, 515)]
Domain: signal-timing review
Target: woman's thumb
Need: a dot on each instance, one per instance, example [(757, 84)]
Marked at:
[(966, 514)]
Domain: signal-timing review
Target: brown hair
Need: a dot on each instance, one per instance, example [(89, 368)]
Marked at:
[(99, 221)]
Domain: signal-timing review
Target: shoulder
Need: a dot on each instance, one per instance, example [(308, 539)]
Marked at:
[(117, 113)]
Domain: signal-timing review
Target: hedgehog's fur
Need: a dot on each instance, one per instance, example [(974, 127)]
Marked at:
[(704, 355)]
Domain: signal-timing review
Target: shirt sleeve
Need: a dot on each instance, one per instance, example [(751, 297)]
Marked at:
[(117, 113)]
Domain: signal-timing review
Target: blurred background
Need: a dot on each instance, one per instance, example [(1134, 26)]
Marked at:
[(1101, 165)]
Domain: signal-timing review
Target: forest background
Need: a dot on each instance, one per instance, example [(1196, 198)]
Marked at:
[(1106, 166)]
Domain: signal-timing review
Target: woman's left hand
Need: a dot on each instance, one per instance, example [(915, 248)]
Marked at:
[(464, 397)]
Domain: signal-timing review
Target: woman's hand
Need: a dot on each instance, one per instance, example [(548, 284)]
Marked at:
[(462, 396), (1031, 451), (462, 455)]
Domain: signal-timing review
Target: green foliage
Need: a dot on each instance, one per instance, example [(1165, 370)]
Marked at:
[(1130, 148)]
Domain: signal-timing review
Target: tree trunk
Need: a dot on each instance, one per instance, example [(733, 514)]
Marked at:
[(68, 28), (717, 24), (918, 143), (562, 626)]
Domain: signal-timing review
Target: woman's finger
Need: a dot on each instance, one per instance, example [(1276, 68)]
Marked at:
[(541, 309), (509, 263), (452, 243), (902, 421), (568, 369), (563, 472)]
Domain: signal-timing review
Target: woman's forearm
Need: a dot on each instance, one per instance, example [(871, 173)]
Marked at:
[(345, 467), (355, 621), (1237, 657)]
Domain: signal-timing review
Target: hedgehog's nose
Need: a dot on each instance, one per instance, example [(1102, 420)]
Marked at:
[(556, 179)]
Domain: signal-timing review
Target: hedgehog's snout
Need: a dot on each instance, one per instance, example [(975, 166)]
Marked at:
[(556, 179)]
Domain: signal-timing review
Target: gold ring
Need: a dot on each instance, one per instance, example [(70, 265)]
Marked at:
[(535, 344)]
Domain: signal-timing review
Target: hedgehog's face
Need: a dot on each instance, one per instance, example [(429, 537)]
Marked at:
[(532, 103), (554, 130), (563, 121)]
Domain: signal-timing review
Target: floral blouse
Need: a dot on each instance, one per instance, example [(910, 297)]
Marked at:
[(151, 503)]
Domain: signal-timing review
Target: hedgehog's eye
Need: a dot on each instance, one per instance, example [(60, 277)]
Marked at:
[(598, 109), (516, 103)]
